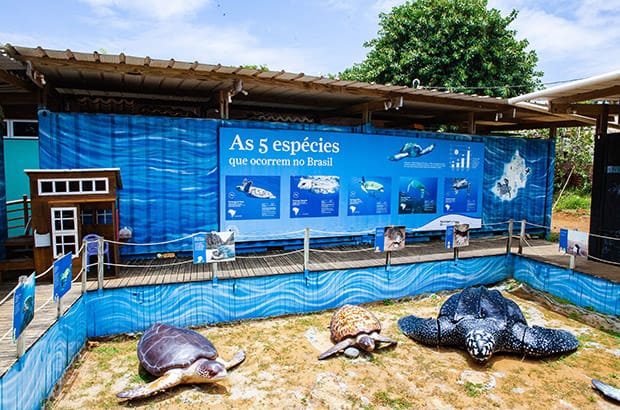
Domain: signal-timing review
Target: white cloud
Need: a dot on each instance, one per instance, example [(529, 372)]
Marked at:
[(157, 9)]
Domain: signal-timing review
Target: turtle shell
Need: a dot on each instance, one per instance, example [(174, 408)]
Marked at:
[(350, 321), (481, 303), (163, 347)]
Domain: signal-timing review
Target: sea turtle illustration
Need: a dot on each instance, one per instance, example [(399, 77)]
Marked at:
[(483, 322), (414, 184), (411, 150), (354, 326), (178, 356), (608, 391), (461, 183), (254, 192), (371, 187), (504, 188), (319, 184)]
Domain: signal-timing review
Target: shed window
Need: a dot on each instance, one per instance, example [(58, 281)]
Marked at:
[(73, 186)]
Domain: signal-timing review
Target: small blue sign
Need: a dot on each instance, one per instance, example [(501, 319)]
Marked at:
[(23, 306), (379, 241), (63, 274), (200, 248), (449, 236), (563, 240)]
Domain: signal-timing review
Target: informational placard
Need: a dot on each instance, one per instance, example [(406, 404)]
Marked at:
[(390, 238), (344, 182), (199, 247), (220, 246), (23, 305), (63, 274), (457, 236), (574, 242)]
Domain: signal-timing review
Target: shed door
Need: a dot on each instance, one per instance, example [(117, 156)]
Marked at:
[(64, 231)]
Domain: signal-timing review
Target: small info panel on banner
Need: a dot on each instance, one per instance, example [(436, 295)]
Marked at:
[(277, 182)]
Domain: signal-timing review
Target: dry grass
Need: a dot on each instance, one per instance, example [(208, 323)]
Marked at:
[(282, 370)]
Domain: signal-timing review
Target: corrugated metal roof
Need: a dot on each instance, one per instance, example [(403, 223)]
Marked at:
[(72, 79)]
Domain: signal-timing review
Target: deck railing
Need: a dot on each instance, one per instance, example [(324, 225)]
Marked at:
[(18, 216)]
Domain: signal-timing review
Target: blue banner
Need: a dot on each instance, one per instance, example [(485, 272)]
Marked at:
[(344, 182), (199, 246), (63, 273), (23, 306)]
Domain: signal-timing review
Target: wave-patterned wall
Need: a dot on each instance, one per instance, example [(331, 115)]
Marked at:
[(134, 309), (580, 289), (169, 169)]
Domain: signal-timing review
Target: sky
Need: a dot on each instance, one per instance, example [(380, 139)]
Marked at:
[(573, 39)]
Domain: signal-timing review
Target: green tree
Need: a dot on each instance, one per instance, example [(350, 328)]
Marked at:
[(458, 45)]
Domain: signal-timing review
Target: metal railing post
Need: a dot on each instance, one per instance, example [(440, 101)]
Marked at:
[(509, 242), (522, 237), (100, 262)]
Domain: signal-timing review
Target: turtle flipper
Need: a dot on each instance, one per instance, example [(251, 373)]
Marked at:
[(541, 341), (607, 390), (236, 360), (383, 339), (170, 379), (336, 348), (422, 330)]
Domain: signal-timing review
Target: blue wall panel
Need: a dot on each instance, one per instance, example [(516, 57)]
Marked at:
[(579, 289), (169, 168), (30, 381), (134, 309)]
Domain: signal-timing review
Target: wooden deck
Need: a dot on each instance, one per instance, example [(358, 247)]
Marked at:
[(175, 270)]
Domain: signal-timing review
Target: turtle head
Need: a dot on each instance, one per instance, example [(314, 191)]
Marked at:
[(366, 342), (210, 370), (480, 344)]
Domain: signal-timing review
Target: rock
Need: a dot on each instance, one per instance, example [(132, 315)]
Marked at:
[(351, 352)]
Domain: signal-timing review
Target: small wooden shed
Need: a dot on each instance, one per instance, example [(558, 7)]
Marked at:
[(66, 206)]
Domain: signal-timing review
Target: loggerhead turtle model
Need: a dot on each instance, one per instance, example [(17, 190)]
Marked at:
[(178, 356), (483, 322), (353, 325)]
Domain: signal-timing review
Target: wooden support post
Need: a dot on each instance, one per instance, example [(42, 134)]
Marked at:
[(84, 266), (100, 263), (224, 106), (214, 267), (522, 237), (306, 250), (25, 207), (509, 241), (471, 122)]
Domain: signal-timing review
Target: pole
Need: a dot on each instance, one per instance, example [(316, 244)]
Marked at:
[(100, 262), (509, 241), (522, 237), (306, 250), (84, 266)]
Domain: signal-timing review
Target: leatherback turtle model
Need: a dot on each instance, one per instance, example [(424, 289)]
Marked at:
[(483, 322), (178, 356), (354, 326)]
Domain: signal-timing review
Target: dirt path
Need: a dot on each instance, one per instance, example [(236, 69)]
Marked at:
[(579, 220), (282, 370)]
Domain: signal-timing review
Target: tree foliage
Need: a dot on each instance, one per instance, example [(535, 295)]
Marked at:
[(574, 156), (458, 45)]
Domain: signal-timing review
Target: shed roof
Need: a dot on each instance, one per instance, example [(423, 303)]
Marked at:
[(588, 96), (93, 82)]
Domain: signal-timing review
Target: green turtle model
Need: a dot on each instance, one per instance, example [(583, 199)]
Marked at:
[(178, 356), (354, 326)]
